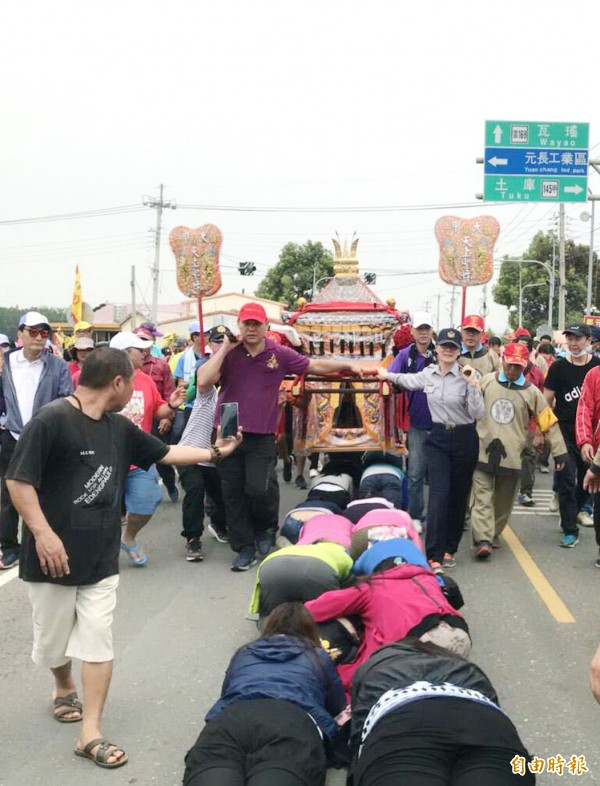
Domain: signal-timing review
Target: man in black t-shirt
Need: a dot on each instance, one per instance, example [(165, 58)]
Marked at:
[(563, 387), (66, 480)]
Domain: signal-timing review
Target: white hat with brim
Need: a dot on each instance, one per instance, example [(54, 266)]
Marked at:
[(127, 340), (4, 339), (422, 319), (33, 319)]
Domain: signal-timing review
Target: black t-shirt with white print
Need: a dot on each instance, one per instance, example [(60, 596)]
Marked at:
[(566, 380), (78, 467)]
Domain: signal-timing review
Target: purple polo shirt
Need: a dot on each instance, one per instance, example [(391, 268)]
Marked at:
[(254, 383)]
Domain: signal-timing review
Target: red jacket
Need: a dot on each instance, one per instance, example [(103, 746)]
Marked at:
[(390, 605), (587, 420)]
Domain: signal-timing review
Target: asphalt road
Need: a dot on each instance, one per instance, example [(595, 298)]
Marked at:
[(178, 623)]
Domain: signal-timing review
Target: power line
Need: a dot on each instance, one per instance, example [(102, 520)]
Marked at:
[(108, 211), (322, 209)]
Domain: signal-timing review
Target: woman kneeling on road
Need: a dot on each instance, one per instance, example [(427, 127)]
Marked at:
[(277, 708), (422, 716)]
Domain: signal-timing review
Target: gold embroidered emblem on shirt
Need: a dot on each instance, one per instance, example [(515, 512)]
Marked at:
[(272, 362)]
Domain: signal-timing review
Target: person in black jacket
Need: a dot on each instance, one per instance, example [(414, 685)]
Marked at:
[(422, 716), (277, 708)]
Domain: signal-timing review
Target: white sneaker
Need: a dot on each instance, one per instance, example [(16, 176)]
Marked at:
[(418, 525), (584, 518), (544, 470), (553, 504), (313, 473)]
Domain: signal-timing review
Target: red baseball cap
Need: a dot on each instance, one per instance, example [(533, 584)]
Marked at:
[(253, 311), (474, 321), (522, 332), (516, 353)]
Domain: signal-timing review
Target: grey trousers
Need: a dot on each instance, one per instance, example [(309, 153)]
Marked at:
[(493, 498)]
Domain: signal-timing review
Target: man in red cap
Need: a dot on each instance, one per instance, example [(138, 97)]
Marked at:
[(473, 352), (250, 371), (510, 402), (523, 336)]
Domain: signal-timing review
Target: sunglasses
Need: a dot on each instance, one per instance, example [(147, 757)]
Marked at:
[(35, 332)]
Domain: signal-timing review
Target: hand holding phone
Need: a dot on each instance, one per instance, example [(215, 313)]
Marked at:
[(229, 419)]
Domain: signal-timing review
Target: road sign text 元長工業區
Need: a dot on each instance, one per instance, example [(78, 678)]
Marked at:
[(535, 162)]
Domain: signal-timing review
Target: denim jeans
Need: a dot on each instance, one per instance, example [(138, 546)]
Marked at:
[(383, 485), (417, 466)]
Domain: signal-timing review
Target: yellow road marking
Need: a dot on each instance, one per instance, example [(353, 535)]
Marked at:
[(543, 587)]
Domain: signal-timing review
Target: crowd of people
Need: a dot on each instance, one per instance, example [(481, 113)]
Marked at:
[(363, 655)]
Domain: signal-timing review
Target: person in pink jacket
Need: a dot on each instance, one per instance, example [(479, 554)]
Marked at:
[(399, 596), (587, 434)]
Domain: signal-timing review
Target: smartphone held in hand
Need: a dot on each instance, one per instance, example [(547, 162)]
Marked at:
[(229, 419)]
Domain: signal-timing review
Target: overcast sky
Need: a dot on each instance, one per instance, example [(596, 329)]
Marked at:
[(272, 104)]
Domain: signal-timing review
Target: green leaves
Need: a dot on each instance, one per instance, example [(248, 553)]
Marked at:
[(293, 275), (535, 297)]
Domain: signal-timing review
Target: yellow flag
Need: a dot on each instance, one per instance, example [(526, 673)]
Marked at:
[(76, 303)]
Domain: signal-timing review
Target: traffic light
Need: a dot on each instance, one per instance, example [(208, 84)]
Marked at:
[(370, 278), (247, 268)]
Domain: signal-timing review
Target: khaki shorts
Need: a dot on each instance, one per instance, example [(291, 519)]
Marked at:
[(72, 622)]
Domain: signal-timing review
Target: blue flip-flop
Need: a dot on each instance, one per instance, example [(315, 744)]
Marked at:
[(142, 558)]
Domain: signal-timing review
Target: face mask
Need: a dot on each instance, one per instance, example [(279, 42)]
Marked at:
[(581, 354)]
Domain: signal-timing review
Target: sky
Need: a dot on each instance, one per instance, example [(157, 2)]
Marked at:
[(330, 112)]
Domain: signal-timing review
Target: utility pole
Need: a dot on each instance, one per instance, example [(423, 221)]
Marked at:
[(452, 299), (588, 303), (562, 285), (437, 319), (133, 303), (159, 204)]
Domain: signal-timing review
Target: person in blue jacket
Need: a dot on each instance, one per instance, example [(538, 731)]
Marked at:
[(276, 713)]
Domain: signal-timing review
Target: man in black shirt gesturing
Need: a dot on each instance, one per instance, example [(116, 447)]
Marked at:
[(563, 387), (70, 550)]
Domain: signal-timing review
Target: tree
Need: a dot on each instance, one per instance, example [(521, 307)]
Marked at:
[(293, 275), (9, 317), (535, 298)]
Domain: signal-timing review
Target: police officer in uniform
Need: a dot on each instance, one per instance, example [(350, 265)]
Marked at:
[(455, 403)]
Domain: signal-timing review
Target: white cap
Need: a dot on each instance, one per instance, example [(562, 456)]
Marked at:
[(422, 318), (127, 340), (33, 318), (4, 339)]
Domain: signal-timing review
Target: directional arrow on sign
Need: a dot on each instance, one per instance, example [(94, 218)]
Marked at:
[(497, 135), (573, 189), (498, 161)]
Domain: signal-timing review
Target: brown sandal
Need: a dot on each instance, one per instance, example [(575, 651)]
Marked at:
[(64, 705), (105, 750)]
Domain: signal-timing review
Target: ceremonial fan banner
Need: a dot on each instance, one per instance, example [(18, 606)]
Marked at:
[(466, 249), (197, 256)]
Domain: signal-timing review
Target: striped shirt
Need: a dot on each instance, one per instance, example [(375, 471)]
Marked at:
[(198, 432)]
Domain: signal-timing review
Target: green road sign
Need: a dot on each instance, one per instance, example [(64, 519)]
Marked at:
[(524, 188), (535, 162), (509, 133)]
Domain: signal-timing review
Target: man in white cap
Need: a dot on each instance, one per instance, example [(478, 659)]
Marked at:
[(410, 360), (31, 378), (142, 492)]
